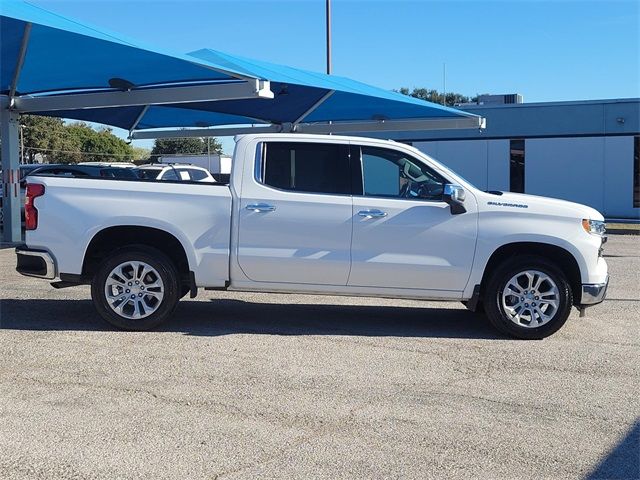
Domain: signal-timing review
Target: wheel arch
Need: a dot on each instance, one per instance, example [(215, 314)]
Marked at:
[(564, 259), (114, 238)]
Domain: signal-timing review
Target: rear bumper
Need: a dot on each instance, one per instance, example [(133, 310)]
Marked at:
[(35, 263), (593, 293)]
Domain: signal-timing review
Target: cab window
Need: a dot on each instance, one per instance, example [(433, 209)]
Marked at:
[(306, 167)]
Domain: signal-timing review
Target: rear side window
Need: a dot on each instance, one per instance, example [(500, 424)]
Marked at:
[(197, 175), (184, 175), (307, 167), (170, 175)]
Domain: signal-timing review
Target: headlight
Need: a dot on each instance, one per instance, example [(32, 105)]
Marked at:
[(596, 227)]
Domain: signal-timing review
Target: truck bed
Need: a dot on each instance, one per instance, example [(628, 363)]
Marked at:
[(74, 210)]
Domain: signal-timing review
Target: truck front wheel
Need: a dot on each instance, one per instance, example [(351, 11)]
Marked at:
[(527, 297), (135, 288)]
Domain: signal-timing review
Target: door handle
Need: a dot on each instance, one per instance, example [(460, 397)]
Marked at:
[(374, 213), (260, 207)]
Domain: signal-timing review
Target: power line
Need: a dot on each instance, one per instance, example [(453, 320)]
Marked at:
[(80, 152)]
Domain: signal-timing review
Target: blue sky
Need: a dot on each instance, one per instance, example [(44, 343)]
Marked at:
[(545, 50)]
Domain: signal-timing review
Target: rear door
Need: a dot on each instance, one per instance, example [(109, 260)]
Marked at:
[(404, 235), (295, 214)]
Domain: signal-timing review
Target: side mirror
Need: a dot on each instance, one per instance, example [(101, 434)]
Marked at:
[(454, 195)]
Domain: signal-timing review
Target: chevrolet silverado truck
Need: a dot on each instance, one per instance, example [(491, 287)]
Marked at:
[(317, 215)]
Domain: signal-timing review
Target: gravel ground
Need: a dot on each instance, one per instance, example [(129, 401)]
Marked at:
[(274, 386)]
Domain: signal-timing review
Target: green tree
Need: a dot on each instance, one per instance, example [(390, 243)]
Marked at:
[(213, 146), (141, 154), (430, 95), (43, 135), (106, 143), (186, 146), (77, 142), (99, 146)]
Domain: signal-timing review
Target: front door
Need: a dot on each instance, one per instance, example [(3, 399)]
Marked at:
[(404, 235), (295, 214)]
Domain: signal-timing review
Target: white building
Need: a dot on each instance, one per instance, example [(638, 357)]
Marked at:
[(586, 151)]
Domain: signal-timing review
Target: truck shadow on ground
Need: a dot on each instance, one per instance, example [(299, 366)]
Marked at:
[(230, 316), (623, 461)]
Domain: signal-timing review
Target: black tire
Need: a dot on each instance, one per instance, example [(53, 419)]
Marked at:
[(167, 273), (495, 287)]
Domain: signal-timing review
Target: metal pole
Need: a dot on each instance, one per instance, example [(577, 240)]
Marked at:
[(9, 126), (328, 37), (21, 143), (444, 84)]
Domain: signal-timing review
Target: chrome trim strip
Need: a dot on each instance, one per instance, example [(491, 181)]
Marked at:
[(48, 261), (593, 293)]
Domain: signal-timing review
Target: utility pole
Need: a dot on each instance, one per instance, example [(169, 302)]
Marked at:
[(444, 84), (328, 37), (209, 153)]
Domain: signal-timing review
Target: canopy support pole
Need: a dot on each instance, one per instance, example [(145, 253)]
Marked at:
[(9, 150), (138, 118), (312, 108), (20, 62)]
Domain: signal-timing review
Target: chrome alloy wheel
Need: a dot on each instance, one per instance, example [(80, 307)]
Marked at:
[(530, 299), (134, 290)]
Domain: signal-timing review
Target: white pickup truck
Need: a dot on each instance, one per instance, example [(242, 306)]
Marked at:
[(317, 214)]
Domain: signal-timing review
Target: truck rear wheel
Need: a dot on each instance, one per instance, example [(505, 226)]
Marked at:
[(528, 298), (136, 288)]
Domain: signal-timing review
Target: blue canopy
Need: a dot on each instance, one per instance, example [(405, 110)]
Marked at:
[(71, 70), (64, 54)]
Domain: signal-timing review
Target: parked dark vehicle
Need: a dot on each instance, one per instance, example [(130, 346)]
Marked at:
[(85, 171)]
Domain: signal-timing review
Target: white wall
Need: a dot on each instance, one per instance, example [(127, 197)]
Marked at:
[(498, 164), (596, 171), (485, 163), (567, 168)]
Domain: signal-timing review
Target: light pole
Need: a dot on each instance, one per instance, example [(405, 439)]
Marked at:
[(328, 37)]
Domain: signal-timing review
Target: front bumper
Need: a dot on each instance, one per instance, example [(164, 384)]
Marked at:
[(35, 263), (593, 293)]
